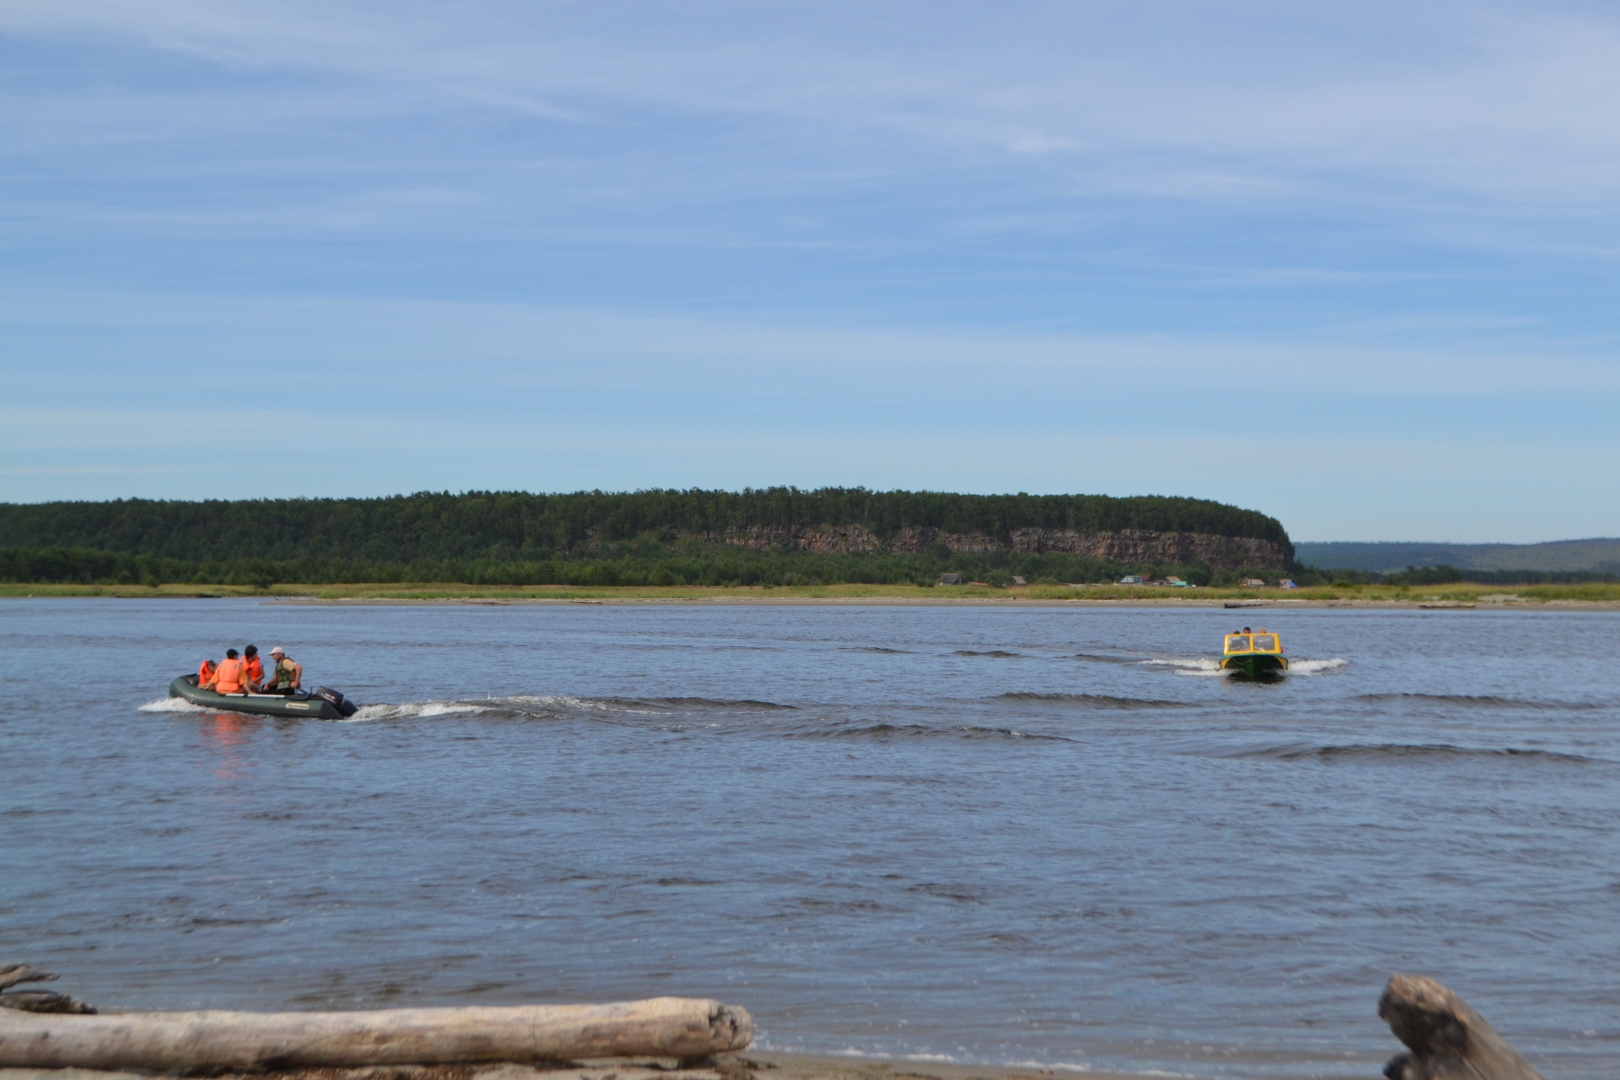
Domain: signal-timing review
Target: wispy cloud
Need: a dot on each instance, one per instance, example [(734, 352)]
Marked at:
[(1032, 229), (1505, 102)]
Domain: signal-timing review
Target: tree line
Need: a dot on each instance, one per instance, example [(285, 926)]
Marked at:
[(1420, 576), (517, 528), (692, 566)]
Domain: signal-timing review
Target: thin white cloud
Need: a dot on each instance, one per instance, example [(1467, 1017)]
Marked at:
[(1502, 102)]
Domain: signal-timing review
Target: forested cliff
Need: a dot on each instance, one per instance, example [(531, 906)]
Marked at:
[(647, 536)]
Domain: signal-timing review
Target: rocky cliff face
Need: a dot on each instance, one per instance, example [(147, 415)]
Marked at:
[(1127, 546)]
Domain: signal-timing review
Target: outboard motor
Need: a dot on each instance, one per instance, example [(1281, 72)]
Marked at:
[(339, 702)]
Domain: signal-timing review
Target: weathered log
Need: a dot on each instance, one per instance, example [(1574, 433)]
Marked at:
[(17, 974), (1449, 1041), (216, 1041), (43, 1001)]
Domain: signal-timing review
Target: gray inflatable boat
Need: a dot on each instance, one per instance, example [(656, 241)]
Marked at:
[(324, 703)]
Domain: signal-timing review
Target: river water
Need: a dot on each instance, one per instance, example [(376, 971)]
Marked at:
[(983, 834)]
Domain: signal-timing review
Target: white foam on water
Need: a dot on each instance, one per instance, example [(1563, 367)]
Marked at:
[(1196, 666), (937, 1059), (564, 701), (1316, 667), (171, 704), (618, 706), (414, 709), (532, 704)]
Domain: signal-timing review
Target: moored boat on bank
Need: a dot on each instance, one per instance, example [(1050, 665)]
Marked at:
[(324, 703), (1254, 654)]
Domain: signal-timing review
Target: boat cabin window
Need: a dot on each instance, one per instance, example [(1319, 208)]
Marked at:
[(1265, 642), (1237, 643)]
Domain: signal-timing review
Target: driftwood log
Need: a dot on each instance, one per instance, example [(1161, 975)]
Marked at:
[(1449, 1041), (35, 1000), (219, 1041)]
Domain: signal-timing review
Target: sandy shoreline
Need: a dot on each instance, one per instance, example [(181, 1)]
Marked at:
[(748, 1065)]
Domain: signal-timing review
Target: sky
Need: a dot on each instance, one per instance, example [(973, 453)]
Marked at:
[(1354, 265)]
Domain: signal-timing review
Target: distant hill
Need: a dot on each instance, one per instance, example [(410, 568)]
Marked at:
[(1601, 556), (657, 537)]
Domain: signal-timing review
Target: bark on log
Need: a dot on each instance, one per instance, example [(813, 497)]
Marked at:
[(216, 1041), (1449, 1041)]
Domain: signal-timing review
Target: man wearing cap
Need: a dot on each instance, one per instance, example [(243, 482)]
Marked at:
[(286, 675)]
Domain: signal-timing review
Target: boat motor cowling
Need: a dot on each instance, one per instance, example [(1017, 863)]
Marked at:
[(339, 702)]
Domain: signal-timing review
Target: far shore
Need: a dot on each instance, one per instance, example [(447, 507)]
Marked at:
[(1461, 595)]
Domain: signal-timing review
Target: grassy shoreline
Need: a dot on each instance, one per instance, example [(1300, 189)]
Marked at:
[(1485, 596)]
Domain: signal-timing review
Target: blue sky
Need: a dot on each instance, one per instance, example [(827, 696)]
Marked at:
[(1353, 265)]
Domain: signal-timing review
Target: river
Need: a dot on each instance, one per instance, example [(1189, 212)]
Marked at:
[(980, 834)]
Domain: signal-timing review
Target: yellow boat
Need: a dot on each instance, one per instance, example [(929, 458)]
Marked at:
[(1254, 653)]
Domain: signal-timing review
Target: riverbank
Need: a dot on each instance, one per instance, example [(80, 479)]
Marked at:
[(748, 1065), (1462, 594)]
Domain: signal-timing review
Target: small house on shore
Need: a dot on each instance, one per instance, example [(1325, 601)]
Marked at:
[(950, 579)]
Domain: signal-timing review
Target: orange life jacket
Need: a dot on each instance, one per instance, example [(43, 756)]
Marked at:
[(254, 672), (230, 677), (205, 672)]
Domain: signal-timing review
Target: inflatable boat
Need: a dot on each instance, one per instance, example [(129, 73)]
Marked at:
[(323, 704)]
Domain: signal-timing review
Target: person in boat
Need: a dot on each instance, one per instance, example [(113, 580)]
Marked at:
[(286, 674), (228, 677), (205, 672), (252, 668)]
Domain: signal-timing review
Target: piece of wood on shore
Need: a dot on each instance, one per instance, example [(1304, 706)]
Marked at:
[(255, 1042), (35, 1000), (1448, 1040), (17, 974)]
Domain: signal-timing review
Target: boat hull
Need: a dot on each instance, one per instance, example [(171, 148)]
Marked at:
[(1255, 665), (300, 705)]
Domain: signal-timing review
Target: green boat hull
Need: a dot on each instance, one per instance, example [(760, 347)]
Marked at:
[(303, 705), (1255, 665)]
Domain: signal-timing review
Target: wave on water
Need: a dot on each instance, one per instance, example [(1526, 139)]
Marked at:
[(1316, 667), (1188, 665), (918, 731), (992, 652), (1209, 667), (752, 704), (413, 710), (1098, 658), (876, 649), (172, 704), (531, 706), (1399, 751), (1483, 701), (1100, 701)]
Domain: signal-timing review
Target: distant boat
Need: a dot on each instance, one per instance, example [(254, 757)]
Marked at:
[(1254, 655)]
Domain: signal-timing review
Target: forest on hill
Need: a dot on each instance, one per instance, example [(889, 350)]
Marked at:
[(644, 537)]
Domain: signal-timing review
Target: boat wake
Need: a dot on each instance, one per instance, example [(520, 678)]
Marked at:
[(1207, 667), (1198, 666), (1482, 701), (1098, 701), (1316, 667), (920, 731), (1397, 752), (171, 705), (538, 707)]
